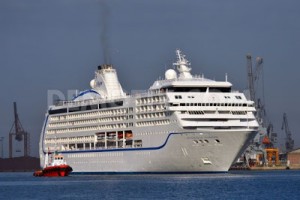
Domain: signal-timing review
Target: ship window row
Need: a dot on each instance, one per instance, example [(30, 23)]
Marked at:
[(90, 128), (216, 141), (91, 121), (200, 141), (150, 108), (97, 155), (196, 112), (91, 155), (118, 162), (69, 139), (208, 120), (180, 97), (150, 115), (212, 104), (152, 123), (120, 135), (149, 100), (91, 114), (115, 144), (86, 107), (239, 112), (200, 112), (199, 89), (109, 141), (67, 130), (75, 145), (153, 133)]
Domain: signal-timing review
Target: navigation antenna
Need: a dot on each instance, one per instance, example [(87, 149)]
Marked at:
[(183, 65)]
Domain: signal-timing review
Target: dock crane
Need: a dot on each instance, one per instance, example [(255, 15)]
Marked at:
[(271, 135), (265, 139), (253, 76), (289, 142), (19, 134)]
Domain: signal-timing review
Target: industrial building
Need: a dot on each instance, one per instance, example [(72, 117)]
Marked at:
[(293, 158)]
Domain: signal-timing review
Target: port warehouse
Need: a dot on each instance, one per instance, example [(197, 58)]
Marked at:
[(294, 158)]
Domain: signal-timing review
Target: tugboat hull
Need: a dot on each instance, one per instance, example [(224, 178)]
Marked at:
[(54, 171)]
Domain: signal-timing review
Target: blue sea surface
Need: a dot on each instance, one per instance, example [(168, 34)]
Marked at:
[(233, 185)]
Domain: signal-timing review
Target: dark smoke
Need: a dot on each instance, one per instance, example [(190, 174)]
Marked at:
[(105, 15)]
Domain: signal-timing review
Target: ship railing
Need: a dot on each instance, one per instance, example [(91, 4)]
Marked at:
[(194, 78), (135, 93), (85, 102), (145, 93)]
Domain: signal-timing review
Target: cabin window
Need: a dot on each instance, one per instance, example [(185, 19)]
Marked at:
[(220, 89), (186, 89), (138, 143)]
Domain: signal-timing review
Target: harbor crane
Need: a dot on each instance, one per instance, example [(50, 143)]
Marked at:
[(271, 135), (19, 134), (265, 138), (289, 142), (253, 76)]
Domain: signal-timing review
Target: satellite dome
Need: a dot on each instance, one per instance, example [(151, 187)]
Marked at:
[(170, 74), (93, 83)]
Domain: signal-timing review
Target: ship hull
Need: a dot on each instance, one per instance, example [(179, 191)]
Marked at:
[(54, 171), (188, 152)]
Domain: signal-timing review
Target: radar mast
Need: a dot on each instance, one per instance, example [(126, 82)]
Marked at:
[(183, 65)]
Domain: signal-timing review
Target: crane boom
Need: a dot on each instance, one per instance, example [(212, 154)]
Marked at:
[(289, 142), (250, 78)]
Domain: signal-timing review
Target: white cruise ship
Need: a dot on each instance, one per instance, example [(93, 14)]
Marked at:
[(182, 124)]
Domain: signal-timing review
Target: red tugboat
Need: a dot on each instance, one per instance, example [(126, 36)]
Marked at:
[(58, 167)]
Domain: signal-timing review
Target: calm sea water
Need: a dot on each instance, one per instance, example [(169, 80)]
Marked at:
[(233, 185)]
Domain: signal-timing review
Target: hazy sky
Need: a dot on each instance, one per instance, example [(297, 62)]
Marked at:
[(57, 44)]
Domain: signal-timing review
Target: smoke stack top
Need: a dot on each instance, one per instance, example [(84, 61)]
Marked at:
[(104, 35)]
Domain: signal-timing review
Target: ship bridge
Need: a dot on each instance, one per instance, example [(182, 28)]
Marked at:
[(198, 102), (183, 80)]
